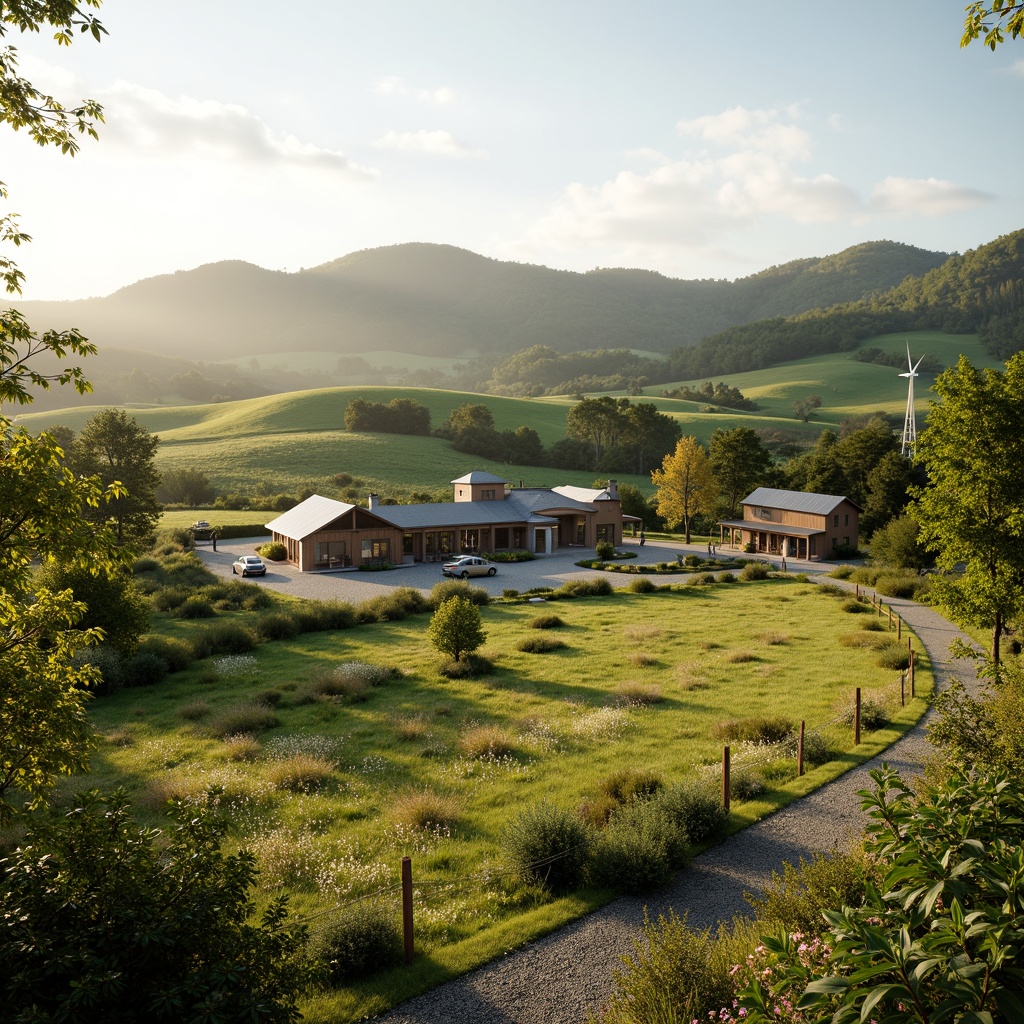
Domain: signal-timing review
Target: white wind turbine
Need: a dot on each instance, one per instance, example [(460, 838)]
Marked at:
[(910, 420)]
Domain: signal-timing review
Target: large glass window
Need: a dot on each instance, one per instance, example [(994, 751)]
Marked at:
[(329, 554), (469, 541), (377, 549), (501, 537)]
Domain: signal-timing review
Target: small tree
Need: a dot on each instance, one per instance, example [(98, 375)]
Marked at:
[(455, 628), (686, 485)]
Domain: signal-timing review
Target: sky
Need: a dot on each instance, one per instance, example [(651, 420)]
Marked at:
[(698, 140)]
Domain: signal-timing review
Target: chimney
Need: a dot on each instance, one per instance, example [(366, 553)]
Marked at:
[(613, 489), (372, 502)]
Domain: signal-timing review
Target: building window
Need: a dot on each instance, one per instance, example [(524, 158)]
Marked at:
[(846, 542), (377, 549), (407, 544), (469, 541), (846, 519), (329, 554), (487, 495), (603, 533), (501, 537), (835, 519), (835, 542)]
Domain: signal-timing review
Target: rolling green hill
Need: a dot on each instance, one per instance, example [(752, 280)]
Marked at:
[(297, 440)]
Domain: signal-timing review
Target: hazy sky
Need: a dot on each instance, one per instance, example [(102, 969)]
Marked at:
[(700, 140)]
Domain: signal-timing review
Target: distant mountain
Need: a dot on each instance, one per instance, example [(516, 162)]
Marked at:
[(441, 300)]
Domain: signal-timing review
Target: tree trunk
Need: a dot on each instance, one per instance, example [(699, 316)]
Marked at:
[(995, 639)]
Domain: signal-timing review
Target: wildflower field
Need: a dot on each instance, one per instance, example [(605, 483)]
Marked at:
[(334, 754)]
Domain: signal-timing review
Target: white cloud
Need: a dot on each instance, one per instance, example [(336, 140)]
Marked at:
[(395, 85), (750, 130), (927, 197), (749, 171), (1017, 68), (432, 143), (150, 122)]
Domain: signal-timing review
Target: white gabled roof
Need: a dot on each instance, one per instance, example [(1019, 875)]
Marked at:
[(308, 516), (796, 501)]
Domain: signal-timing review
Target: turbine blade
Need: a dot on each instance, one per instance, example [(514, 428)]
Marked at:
[(918, 364), (910, 362)]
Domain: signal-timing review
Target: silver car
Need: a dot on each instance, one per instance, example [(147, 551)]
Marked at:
[(249, 565), (469, 565)]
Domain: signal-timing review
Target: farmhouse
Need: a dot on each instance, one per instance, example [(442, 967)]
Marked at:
[(486, 514), (793, 523)]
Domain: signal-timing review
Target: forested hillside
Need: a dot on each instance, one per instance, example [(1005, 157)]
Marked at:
[(980, 291), (440, 300)]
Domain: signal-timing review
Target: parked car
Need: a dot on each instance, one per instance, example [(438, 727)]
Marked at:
[(201, 524), (469, 565), (249, 565)]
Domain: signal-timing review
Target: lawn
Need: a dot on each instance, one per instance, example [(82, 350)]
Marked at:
[(329, 791)]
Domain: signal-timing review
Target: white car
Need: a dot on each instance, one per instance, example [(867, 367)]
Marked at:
[(249, 565), (469, 565)]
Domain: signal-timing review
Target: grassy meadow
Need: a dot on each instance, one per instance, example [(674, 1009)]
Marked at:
[(330, 791)]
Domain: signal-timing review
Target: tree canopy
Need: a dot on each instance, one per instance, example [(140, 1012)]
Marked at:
[(686, 484), (971, 511)]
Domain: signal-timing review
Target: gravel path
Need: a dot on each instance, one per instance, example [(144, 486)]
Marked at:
[(557, 979)]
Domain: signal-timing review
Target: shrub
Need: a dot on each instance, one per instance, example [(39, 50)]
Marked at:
[(363, 939), (677, 973), (333, 615), (641, 586), (756, 729), (392, 607), (222, 638), (465, 668), (275, 626), (247, 718), (755, 571), (598, 587), (195, 607), (705, 579), (873, 625), (487, 741), (634, 692), (548, 844), (424, 809), (408, 729), (695, 809), (300, 773), (141, 924), (893, 585), (604, 550), (546, 622), (540, 644), (242, 747), (194, 710), (274, 551), (167, 599), (817, 749), (858, 638), (636, 851), (642, 659), (509, 593), (143, 669), (739, 657), (631, 784), (894, 655), (773, 638), (854, 606), (746, 784), (269, 698), (691, 561), (327, 682), (727, 577), (447, 589), (873, 713), (145, 564)]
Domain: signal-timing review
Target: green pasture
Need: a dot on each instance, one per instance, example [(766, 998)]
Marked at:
[(643, 680)]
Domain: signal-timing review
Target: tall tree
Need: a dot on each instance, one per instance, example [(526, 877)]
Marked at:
[(972, 509), (598, 421), (116, 448), (650, 434), (740, 462), (686, 485), (43, 689), (860, 451)]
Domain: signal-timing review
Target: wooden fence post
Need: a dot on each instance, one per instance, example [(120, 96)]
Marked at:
[(725, 777), (856, 719), (903, 689), (800, 750), (899, 628), (913, 660), (858, 591), (890, 616), (407, 907)]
